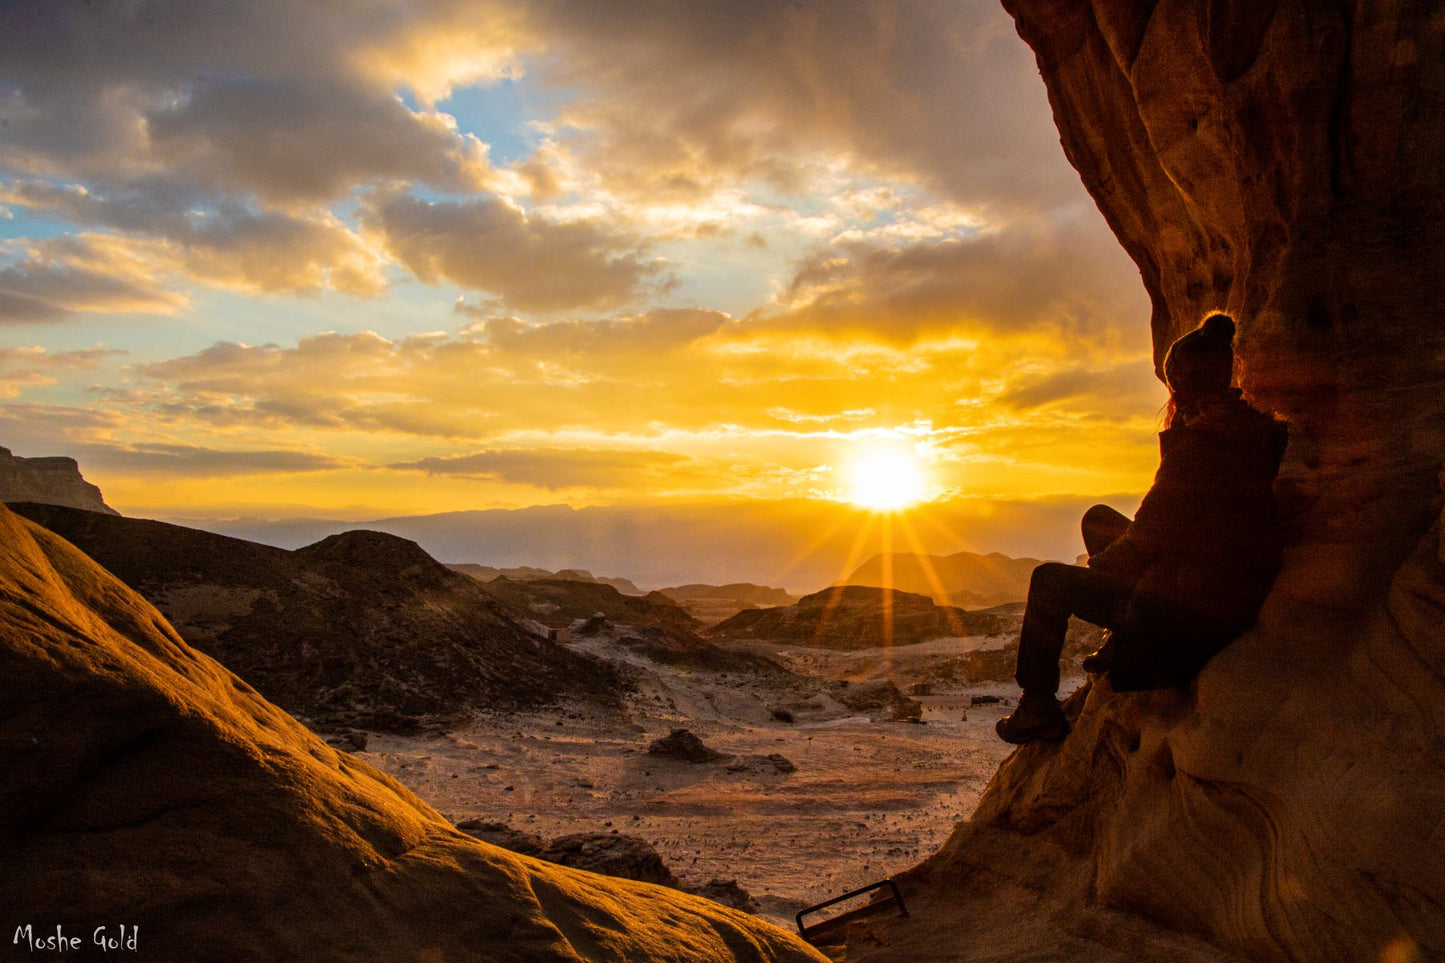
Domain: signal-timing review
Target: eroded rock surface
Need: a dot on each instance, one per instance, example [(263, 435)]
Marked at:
[(53, 481), (360, 630), (145, 783), (1279, 160)]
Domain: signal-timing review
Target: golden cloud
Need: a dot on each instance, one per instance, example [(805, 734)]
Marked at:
[(528, 262)]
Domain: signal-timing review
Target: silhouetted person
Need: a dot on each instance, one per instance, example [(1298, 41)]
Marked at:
[(1190, 572)]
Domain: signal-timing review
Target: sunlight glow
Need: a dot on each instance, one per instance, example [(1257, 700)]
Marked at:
[(886, 478)]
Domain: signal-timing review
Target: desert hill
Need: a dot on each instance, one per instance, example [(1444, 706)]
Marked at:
[(52, 481), (1282, 161), (964, 579), (711, 604), (860, 617), (361, 629), (148, 786), (557, 603), (652, 625), (527, 573)]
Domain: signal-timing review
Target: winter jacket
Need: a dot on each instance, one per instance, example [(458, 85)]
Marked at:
[(1204, 546)]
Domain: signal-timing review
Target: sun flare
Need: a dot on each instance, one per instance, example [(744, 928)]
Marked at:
[(885, 478)]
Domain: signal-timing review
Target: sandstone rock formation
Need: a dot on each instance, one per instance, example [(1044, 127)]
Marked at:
[(53, 481), (147, 785), (860, 617), (1280, 160), (362, 629)]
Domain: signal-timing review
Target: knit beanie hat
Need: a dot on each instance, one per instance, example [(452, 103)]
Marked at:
[(1203, 359)]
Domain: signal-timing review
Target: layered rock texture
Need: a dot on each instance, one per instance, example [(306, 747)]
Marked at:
[(54, 481), (1282, 161), (362, 629), (147, 785)]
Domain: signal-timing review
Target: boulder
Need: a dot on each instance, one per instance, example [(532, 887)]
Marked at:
[(681, 744), (500, 834), (147, 785), (611, 854), (728, 893), (876, 696)]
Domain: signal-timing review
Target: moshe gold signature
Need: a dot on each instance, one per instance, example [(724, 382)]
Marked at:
[(123, 938)]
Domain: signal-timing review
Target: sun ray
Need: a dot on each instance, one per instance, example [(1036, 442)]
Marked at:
[(835, 597), (925, 562)]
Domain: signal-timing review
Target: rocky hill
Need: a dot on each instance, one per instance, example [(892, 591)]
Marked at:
[(859, 617), (711, 604), (361, 629), (964, 579), (52, 481), (147, 786), (652, 625), (1280, 160), (558, 603), (526, 573)]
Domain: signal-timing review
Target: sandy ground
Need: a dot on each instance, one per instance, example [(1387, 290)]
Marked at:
[(869, 798)]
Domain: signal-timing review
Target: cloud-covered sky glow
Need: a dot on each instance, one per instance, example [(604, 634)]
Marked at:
[(351, 257)]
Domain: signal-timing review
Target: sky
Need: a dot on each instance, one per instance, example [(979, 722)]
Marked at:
[(354, 258)]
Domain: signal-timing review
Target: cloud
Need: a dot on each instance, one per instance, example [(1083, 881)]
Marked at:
[(1010, 280), (655, 334), (938, 91), (83, 273), (304, 140), (32, 367), (197, 461), (555, 469), (178, 238), (528, 262), (1125, 387), (290, 100)]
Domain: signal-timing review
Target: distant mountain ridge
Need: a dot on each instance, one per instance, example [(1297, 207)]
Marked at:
[(800, 544), (965, 579), (359, 629), (50, 481)]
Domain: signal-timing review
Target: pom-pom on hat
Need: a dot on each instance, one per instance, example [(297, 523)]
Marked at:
[(1203, 359)]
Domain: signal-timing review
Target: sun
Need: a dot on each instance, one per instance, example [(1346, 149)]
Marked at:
[(885, 478)]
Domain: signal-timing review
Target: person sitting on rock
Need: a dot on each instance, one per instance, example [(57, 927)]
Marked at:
[(1190, 572)]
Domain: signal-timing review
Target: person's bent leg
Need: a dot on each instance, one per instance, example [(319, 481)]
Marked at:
[(1056, 592), (1101, 526)]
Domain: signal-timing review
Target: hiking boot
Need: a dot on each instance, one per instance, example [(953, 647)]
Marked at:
[(1098, 662), (1037, 717)]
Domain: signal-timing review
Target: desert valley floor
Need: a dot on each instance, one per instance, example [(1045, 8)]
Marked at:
[(870, 795)]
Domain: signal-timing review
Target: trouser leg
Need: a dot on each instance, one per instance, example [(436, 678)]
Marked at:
[(1056, 592), (1101, 526)]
